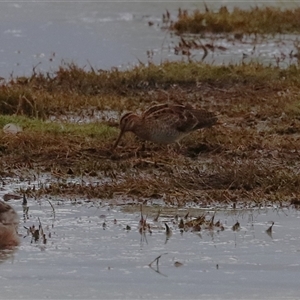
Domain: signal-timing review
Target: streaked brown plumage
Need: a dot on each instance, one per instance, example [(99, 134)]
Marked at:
[(9, 222), (166, 123)]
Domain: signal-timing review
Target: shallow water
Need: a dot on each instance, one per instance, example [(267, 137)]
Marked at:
[(83, 259), (40, 34)]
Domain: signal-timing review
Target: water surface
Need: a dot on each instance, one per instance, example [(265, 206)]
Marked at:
[(91, 255), (42, 34)]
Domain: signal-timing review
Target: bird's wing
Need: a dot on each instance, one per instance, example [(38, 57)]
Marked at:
[(155, 110), (164, 114), (4, 207), (183, 118), (204, 118)]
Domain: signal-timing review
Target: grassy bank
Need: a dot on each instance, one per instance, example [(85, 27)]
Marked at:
[(73, 89), (252, 156), (257, 20)]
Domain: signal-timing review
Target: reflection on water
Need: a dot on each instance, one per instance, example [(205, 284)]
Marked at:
[(96, 251), (7, 255)]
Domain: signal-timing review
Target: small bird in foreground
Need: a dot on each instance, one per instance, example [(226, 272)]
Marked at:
[(166, 123), (9, 222)]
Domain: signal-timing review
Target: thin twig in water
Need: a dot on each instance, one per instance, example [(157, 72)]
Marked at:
[(157, 266), (41, 227), (52, 208)]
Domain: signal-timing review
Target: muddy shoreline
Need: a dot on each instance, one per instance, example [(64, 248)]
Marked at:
[(252, 155)]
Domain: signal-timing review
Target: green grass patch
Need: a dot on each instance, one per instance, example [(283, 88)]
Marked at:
[(40, 127), (293, 108)]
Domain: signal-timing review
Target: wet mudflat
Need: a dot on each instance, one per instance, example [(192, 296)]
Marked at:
[(91, 253)]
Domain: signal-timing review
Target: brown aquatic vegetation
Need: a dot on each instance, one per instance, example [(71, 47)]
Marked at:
[(201, 32), (251, 157), (257, 20), (72, 89)]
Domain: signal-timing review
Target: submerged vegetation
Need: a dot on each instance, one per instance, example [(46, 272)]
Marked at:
[(257, 20), (252, 156)]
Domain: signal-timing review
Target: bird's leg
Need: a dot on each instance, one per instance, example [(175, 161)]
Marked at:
[(143, 147), (140, 150), (177, 147), (173, 149)]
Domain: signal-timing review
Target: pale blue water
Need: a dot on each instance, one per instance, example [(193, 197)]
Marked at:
[(81, 260), (104, 34)]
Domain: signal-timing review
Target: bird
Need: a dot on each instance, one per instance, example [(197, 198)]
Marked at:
[(165, 123), (9, 222)]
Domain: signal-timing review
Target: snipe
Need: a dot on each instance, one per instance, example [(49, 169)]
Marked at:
[(166, 123), (9, 222)]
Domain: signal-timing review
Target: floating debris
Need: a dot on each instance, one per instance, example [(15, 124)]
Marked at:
[(168, 232), (178, 264), (24, 203), (269, 230), (181, 224), (187, 215), (157, 216), (236, 226), (197, 227)]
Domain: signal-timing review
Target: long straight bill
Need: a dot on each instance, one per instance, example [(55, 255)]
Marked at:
[(119, 138)]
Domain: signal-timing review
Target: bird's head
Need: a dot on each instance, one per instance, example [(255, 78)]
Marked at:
[(128, 122)]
